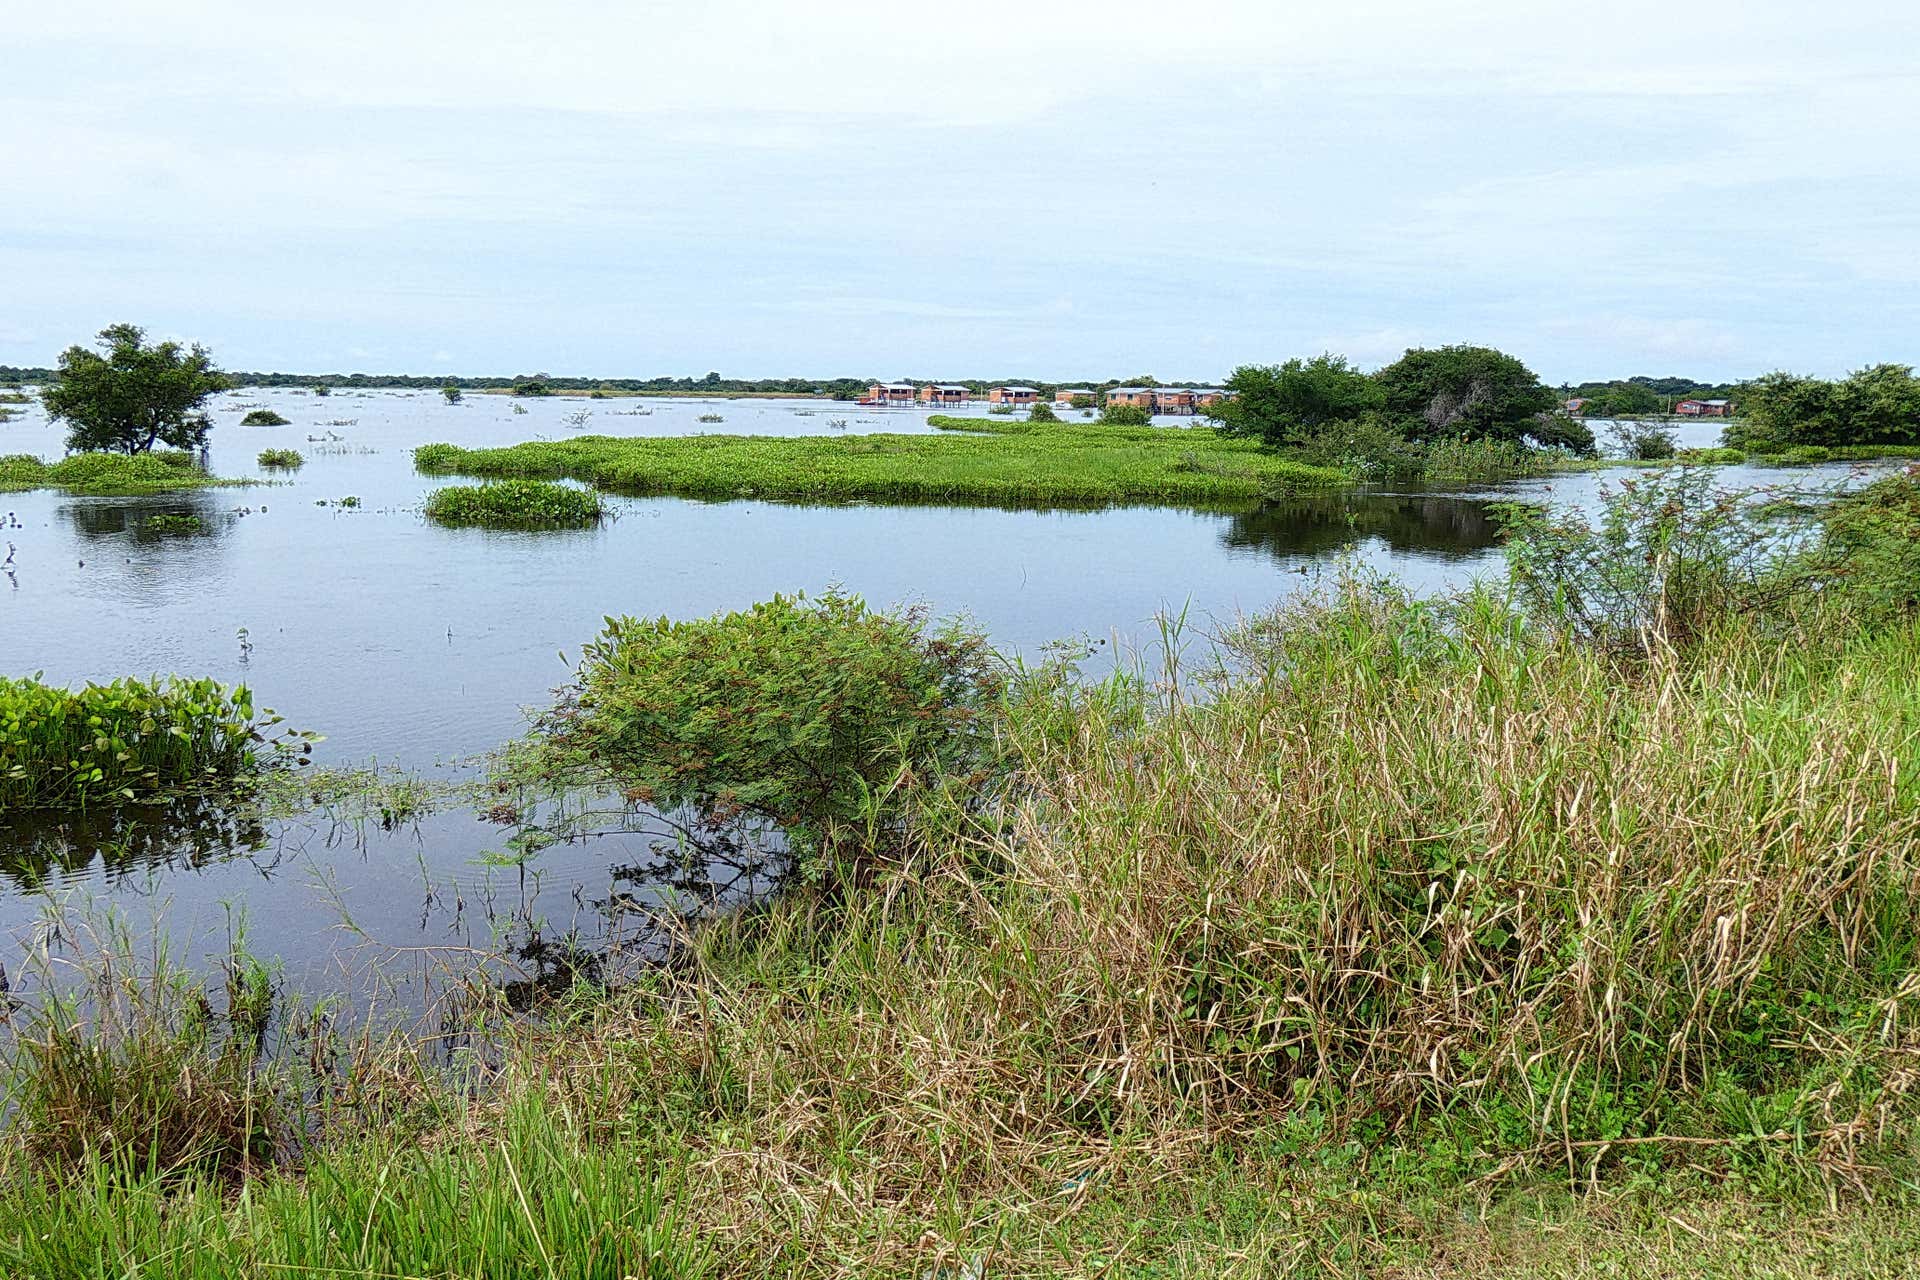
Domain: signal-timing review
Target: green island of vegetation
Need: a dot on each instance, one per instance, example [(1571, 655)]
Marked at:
[(284, 459), (516, 504), (1491, 934), (1014, 462), (109, 473)]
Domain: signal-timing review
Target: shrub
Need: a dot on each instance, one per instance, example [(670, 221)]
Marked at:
[(1042, 412), (1001, 410), (172, 522), (1642, 441), (1670, 555), (1470, 460), (285, 459), (823, 719), (451, 394), (263, 418), (712, 417), (126, 740), (1371, 447), (516, 504), (1084, 402), (1873, 538), (1877, 405), (1711, 457), (1125, 415)]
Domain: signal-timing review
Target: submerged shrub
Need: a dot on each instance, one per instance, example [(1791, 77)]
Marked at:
[(108, 473), (1670, 556), (1641, 441), (127, 740), (822, 718), (286, 459), (1042, 412), (263, 418), (516, 504), (173, 522), (436, 458), (1711, 457)]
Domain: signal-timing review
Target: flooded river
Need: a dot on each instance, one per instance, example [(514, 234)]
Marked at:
[(416, 647)]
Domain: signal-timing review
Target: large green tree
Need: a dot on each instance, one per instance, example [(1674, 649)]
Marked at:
[(1475, 391), (130, 396), (1282, 404), (1876, 405)]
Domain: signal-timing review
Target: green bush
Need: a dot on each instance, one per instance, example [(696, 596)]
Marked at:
[(823, 719), (285, 459), (1642, 441), (1710, 457), (1042, 412), (126, 740), (1878, 405), (1125, 415), (516, 504), (263, 418), (436, 459), (173, 522), (1873, 540), (1370, 446)]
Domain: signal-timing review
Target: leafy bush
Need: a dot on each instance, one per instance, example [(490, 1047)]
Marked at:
[(263, 418), (516, 504), (173, 522), (436, 459), (1042, 412), (452, 395), (1710, 457), (286, 459), (1125, 415), (1642, 441), (1083, 402), (1877, 405), (1873, 540), (1370, 446), (821, 718), (1806, 455), (129, 739), (1287, 403), (1001, 410)]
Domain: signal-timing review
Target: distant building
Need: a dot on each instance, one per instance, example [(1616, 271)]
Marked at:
[(1138, 397), (1576, 404), (1173, 400), (1066, 395), (1012, 395), (891, 393), (1207, 397), (1704, 409), (945, 393)]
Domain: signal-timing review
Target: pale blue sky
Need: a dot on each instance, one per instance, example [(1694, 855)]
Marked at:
[(996, 189)]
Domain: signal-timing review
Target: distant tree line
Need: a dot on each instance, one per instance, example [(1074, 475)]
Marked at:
[(1640, 397)]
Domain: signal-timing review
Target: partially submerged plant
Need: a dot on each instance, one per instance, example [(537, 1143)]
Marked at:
[(263, 418), (516, 504), (284, 459)]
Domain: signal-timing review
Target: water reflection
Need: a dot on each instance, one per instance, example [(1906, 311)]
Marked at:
[(1439, 525), (124, 845)]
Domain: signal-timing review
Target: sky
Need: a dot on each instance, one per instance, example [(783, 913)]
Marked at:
[(1050, 191)]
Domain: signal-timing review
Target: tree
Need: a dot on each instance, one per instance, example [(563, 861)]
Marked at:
[(133, 396), (1470, 391), (1875, 405), (451, 393), (1283, 404)]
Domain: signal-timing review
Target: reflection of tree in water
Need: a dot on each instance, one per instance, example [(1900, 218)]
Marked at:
[(186, 834), (97, 518), (1432, 524)]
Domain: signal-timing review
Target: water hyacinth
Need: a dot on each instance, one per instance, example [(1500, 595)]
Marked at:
[(516, 504), (126, 740)]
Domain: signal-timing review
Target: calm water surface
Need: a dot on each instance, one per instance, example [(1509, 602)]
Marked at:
[(416, 646)]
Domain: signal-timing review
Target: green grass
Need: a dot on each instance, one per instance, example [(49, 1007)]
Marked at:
[(286, 459), (125, 740), (108, 473), (516, 504), (997, 461)]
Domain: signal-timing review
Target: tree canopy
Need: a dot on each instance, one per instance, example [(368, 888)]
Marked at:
[(1876, 405), (1282, 404), (1466, 391), (134, 396)]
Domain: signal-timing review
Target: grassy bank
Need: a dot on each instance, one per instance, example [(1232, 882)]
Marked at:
[(1014, 463), (108, 473), (1391, 936)]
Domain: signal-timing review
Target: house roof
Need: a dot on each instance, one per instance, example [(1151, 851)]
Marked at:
[(950, 386), (1017, 389), (1129, 391)]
